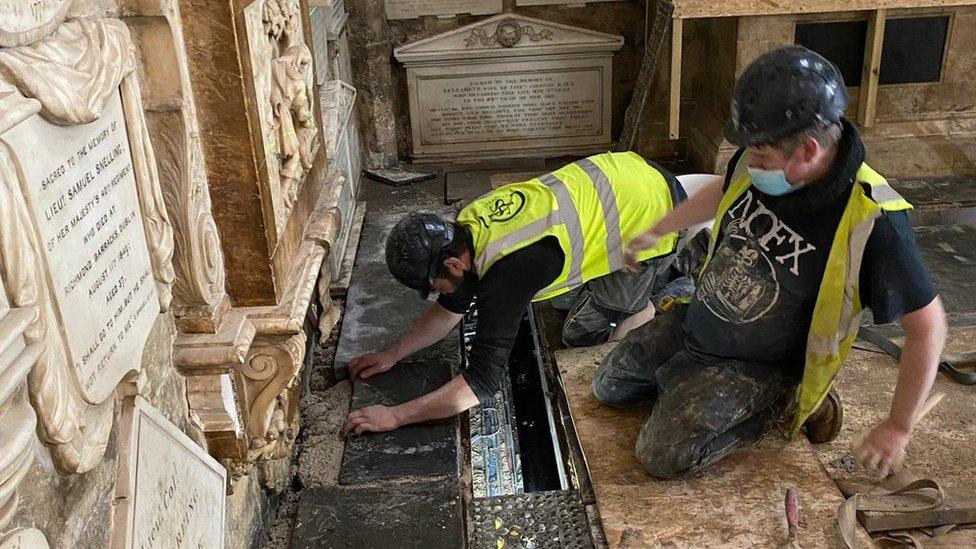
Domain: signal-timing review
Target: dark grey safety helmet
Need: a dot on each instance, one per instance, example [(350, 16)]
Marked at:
[(415, 249), (782, 93)]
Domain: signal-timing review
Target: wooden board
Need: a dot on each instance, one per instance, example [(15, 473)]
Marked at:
[(736, 503), (688, 9), (340, 285)]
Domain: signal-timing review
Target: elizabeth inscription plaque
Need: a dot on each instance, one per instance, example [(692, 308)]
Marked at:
[(509, 86), (81, 192)]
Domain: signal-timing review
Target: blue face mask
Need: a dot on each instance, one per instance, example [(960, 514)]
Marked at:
[(771, 182)]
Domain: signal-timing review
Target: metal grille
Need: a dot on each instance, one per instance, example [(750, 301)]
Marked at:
[(537, 520)]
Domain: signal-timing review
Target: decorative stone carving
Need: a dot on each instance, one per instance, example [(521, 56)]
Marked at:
[(200, 298), (243, 382), (281, 65), (72, 77), (22, 22), (294, 119), (17, 418), (508, 34)]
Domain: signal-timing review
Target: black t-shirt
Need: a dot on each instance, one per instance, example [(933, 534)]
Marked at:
[(755, 301), (502, 297)]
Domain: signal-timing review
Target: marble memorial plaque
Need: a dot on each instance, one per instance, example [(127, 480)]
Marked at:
[(411, 9), (24, 21), (81, 191), (170, 492), (24, 538), (510, 85)]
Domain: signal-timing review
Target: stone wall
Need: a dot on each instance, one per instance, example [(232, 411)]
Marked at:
[(97, 104)]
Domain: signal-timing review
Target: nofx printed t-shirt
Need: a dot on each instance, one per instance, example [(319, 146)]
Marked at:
[(755, 300)]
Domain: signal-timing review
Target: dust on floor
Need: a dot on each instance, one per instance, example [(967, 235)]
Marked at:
[(319, 446)]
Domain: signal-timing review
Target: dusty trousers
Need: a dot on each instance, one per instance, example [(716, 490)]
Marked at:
[(704, 407)]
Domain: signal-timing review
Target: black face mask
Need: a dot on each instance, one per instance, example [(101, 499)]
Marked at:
[(468, 279)]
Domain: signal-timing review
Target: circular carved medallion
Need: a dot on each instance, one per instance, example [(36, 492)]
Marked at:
[(508, 33), (23, 22)]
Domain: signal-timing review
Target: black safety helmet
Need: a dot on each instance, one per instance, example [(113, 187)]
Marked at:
[(415, 250), (782, 93)]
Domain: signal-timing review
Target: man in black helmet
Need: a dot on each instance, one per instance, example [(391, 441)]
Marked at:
[(524, 242), (805, 234)]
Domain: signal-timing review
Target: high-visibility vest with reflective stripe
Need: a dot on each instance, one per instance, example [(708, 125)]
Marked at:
[(837, 313), (594, 207)]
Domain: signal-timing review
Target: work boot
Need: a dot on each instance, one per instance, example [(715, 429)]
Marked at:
[(824, 424)]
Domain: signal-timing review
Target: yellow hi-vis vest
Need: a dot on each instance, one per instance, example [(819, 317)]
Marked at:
[(594, 207), (837, 314)]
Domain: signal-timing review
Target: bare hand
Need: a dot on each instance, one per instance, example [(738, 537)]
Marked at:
[(370, 364), (883, 449), (376, 419), (640, 243)]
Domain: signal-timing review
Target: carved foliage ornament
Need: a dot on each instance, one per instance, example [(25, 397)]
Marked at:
[(70, 76), (508, 33)]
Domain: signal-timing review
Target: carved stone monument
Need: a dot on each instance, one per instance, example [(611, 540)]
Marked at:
[(411, 9), (509, 86), (169, 491), (275, 206), (85, 241)]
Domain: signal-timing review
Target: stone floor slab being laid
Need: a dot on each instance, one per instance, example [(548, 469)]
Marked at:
[(408, 515), (738, 502), (422, 450)]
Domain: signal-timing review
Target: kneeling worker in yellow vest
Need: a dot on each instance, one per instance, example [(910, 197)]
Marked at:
[(520, 243), (805, 235)]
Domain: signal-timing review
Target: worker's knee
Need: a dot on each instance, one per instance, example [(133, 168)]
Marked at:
[(665, 459)]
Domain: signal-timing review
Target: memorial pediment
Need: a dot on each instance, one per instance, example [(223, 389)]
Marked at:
[(507, 35)]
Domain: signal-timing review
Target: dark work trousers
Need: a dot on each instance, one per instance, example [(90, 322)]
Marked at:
[(705, 407), (602, 303)]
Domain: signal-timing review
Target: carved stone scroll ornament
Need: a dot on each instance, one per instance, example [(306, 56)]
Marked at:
[(70, 75), (271, 389)]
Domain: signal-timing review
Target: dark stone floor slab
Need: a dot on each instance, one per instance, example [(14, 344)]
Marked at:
[(423, 450), (422, 515), (950, 254), (378, 308)]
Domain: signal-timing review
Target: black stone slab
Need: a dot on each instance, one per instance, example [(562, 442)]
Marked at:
[(422, 450), (957, 191), (422, 515), (950, 254), (378, 308)]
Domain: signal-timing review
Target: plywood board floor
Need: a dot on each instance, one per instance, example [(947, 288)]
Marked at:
[(736, 503), (943, 444)]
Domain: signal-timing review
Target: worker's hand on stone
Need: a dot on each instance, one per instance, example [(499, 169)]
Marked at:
[(640, 243), (883, 448), (370, 364), (376, 419)]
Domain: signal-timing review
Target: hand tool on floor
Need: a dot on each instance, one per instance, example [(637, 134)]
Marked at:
[(859, 439), (792, 504)]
